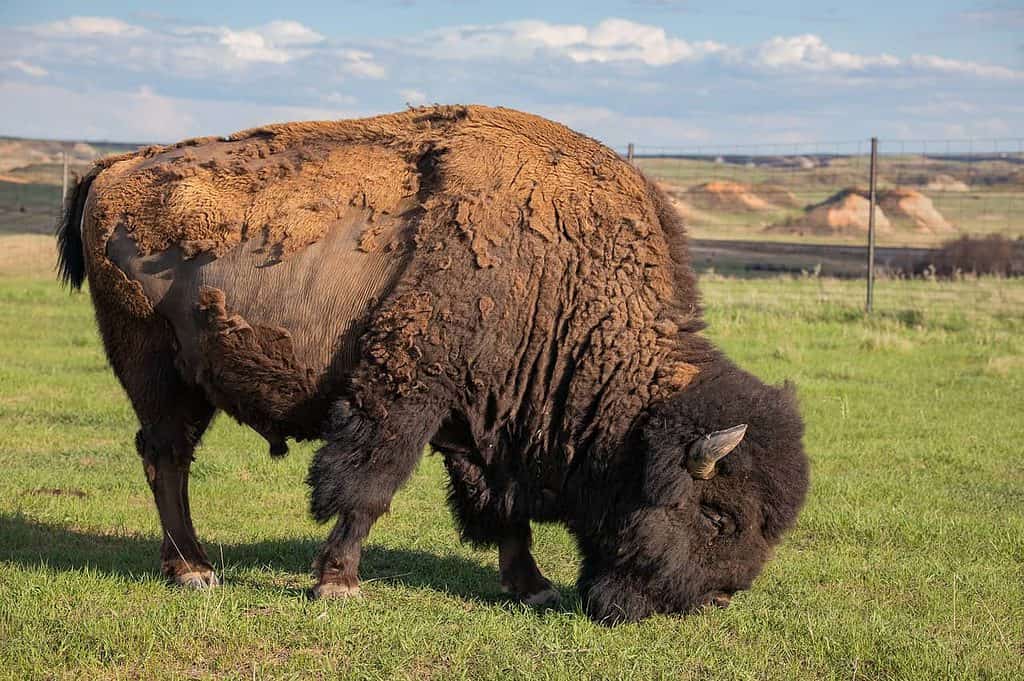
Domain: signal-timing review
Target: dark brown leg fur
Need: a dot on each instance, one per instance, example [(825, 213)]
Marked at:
[(486, 519), (172, 417), (354, 477), (166, 449), (520, 575)]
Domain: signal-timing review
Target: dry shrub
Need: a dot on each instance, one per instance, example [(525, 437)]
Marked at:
[(990, 254)]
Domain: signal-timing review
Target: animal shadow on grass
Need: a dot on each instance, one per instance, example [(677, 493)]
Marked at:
[(32, 544)]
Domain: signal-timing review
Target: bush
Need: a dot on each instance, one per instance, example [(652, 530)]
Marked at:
[(991, 254)]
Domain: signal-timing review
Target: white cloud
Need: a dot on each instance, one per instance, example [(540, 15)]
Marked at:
[(361, 64), (277, 42), (810, 52), (251, 46), (201, 52), (995, 17), (338, 98), (24, 67), (413, 97), (89, 26), (968, 68), (291, 33), (612, 40), (619, 41), (622, 40), (940, 106)]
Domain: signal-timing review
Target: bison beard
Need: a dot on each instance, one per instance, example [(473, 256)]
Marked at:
[(481, 280)]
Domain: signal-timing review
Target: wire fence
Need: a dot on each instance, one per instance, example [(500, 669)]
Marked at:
[(929, 190)]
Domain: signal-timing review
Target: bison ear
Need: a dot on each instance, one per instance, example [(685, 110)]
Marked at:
[(702, 455)]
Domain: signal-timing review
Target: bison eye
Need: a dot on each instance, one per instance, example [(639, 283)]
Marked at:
[(716, 521)]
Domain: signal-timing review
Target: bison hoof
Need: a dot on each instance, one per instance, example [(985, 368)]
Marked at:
[(546, 597), (335, 590), (197, 580), (542, 599)]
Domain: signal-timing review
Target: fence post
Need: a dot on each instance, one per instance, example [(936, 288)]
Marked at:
[(629, 152), (64, 181), (873, 201)]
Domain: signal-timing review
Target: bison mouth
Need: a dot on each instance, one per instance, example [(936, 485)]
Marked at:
[(613, 599)]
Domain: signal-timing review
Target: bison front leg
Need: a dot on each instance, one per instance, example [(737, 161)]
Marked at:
[(486, 518), (354, 477), (520, 575)]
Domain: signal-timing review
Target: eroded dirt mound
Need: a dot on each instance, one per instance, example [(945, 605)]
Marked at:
[(677, 199), (946, 183), (845, 211), (726, 195), (848, 211), (913, 206)]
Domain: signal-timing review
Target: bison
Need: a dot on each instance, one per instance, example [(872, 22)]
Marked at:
[(478, 279)]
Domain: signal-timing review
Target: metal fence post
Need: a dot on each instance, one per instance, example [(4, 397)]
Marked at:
[(873, 200), (64, 181), (629, 152)]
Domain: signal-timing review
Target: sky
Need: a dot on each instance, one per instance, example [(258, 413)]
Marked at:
[(681, 74)]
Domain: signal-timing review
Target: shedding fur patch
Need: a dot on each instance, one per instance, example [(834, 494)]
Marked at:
[(250, 372), (206, 198)]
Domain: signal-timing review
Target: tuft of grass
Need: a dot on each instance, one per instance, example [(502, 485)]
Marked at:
[(906, 563)]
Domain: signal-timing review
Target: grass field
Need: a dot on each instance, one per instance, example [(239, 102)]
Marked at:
[(908, 561)]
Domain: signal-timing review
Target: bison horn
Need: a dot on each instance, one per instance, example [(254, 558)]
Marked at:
[(705, 452)]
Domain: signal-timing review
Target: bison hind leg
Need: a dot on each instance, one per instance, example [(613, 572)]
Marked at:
[(173, 415)]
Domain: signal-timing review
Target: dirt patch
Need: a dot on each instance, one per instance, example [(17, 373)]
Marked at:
[(724, 195)]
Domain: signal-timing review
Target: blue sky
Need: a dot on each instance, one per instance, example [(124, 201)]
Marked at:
[(656, 72)]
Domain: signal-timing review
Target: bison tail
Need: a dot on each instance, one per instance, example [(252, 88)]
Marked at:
[(70, 250)]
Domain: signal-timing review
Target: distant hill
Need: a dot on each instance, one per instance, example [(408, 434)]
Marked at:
[(31, 172), (17, 152)]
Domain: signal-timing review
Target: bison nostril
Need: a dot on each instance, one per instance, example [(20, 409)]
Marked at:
[(719, 600)]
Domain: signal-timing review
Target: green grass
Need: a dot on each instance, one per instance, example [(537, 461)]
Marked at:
[(908, 561)]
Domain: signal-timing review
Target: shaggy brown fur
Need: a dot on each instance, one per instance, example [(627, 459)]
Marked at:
[(527, 303)]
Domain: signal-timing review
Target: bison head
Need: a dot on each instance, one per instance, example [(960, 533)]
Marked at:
[(723, 475)]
